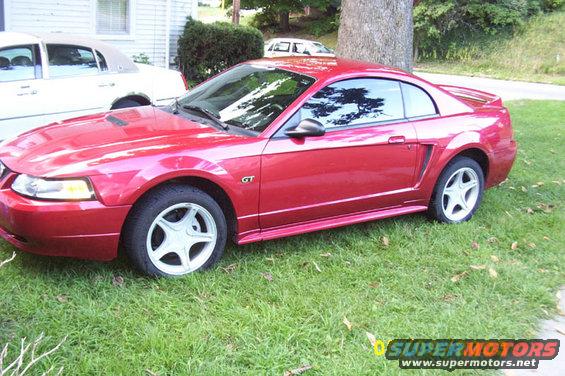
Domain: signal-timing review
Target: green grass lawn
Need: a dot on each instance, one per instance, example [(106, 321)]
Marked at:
[(535, 53), (234, 320)]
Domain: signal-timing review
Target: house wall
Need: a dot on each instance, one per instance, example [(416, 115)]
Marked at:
[(148, 29), (180, 10), (1, 15)]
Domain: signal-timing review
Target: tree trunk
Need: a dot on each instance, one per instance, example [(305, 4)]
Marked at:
[(379, 31), (235, 15), (284, 21)]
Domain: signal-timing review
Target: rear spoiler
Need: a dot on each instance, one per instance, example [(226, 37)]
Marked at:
[(476, 98)]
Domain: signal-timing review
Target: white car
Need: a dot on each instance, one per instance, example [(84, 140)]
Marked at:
[(296, 47), (54, 77)]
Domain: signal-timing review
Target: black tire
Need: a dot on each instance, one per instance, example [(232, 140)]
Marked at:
[(138, 224), (436, 208), (125, 103)]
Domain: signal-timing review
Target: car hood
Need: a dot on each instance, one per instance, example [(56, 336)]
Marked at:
[(80, 146)]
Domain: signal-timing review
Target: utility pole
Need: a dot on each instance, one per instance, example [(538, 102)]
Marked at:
[(235, 15)]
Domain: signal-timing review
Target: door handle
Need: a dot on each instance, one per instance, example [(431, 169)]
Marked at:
[(396, 140), (33, 92)]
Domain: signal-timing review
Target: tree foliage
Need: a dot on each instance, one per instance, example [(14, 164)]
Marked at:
[(277, 12)]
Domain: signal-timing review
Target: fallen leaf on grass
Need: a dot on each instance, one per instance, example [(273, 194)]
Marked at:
[(317, 267), (347, 323), (326, 254), (117, 280), (529, 211), (524, 189), (372, 338), (475, 245), (151, 373), (492, 273), (298, 371), (494, 258), (386, 241), (267, 276), (62, 298), (514, 246), (478, 267), (271, 259), (230, 268), (492, 239), (532, 245), (546, 208), (546, 238), (449, 298), (374, 285), (458, 277)]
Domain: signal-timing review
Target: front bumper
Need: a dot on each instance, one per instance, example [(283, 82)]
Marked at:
[(86, 230)]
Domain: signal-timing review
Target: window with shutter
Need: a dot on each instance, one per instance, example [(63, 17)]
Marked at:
[(113, 17)]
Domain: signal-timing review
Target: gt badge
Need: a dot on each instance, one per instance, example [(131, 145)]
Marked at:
[(247, 179)]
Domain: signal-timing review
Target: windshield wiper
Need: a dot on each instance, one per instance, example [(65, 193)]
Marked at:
[(209, 114)]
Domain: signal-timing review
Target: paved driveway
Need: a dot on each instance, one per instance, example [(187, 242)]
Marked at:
[(507, 90)]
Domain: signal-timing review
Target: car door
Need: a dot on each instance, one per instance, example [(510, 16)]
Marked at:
[(77, 84), (365, 161), (21, 84)]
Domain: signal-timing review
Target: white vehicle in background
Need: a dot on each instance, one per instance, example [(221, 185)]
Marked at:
[(296, 47), (55, 76)]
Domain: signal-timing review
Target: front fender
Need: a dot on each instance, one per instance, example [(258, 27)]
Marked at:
[(127, 187)]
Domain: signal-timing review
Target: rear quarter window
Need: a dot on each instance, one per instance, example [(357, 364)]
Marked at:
[(417, 102)]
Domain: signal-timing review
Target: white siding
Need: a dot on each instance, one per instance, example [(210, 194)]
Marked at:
[(76, 17), (180, 11), (43, 16)]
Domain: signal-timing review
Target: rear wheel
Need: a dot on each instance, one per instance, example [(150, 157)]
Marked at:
[(458, 192), (174, 231)]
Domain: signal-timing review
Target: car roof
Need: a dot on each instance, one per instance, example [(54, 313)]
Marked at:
[(292, 40), (115, 59), (10, 38), (323, 67)]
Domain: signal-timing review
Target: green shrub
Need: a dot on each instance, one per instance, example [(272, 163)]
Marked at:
[(324, 25), (441, 27), (207, 49)]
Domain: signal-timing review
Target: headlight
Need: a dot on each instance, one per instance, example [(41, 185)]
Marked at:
[(71, 189)]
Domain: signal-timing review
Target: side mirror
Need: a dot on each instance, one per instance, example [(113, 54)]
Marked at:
[(307, 128)]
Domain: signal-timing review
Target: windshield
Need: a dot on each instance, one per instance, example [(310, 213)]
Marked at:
[(248, 96), (321, 49)]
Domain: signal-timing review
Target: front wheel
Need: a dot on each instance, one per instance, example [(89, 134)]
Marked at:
[(458, 192), (175, 230)]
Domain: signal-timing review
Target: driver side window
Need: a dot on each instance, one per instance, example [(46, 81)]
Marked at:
[(355, 102), (350, 103)]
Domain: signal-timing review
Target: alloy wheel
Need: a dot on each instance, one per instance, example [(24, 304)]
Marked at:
[(460, 194), (181, 239)]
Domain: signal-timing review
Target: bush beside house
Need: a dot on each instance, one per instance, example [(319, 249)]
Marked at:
[(207, 49)]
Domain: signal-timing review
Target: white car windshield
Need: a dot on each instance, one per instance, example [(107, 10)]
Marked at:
[(319, 48)]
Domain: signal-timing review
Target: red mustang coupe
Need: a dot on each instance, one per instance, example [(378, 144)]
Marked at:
[(267, 149)]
